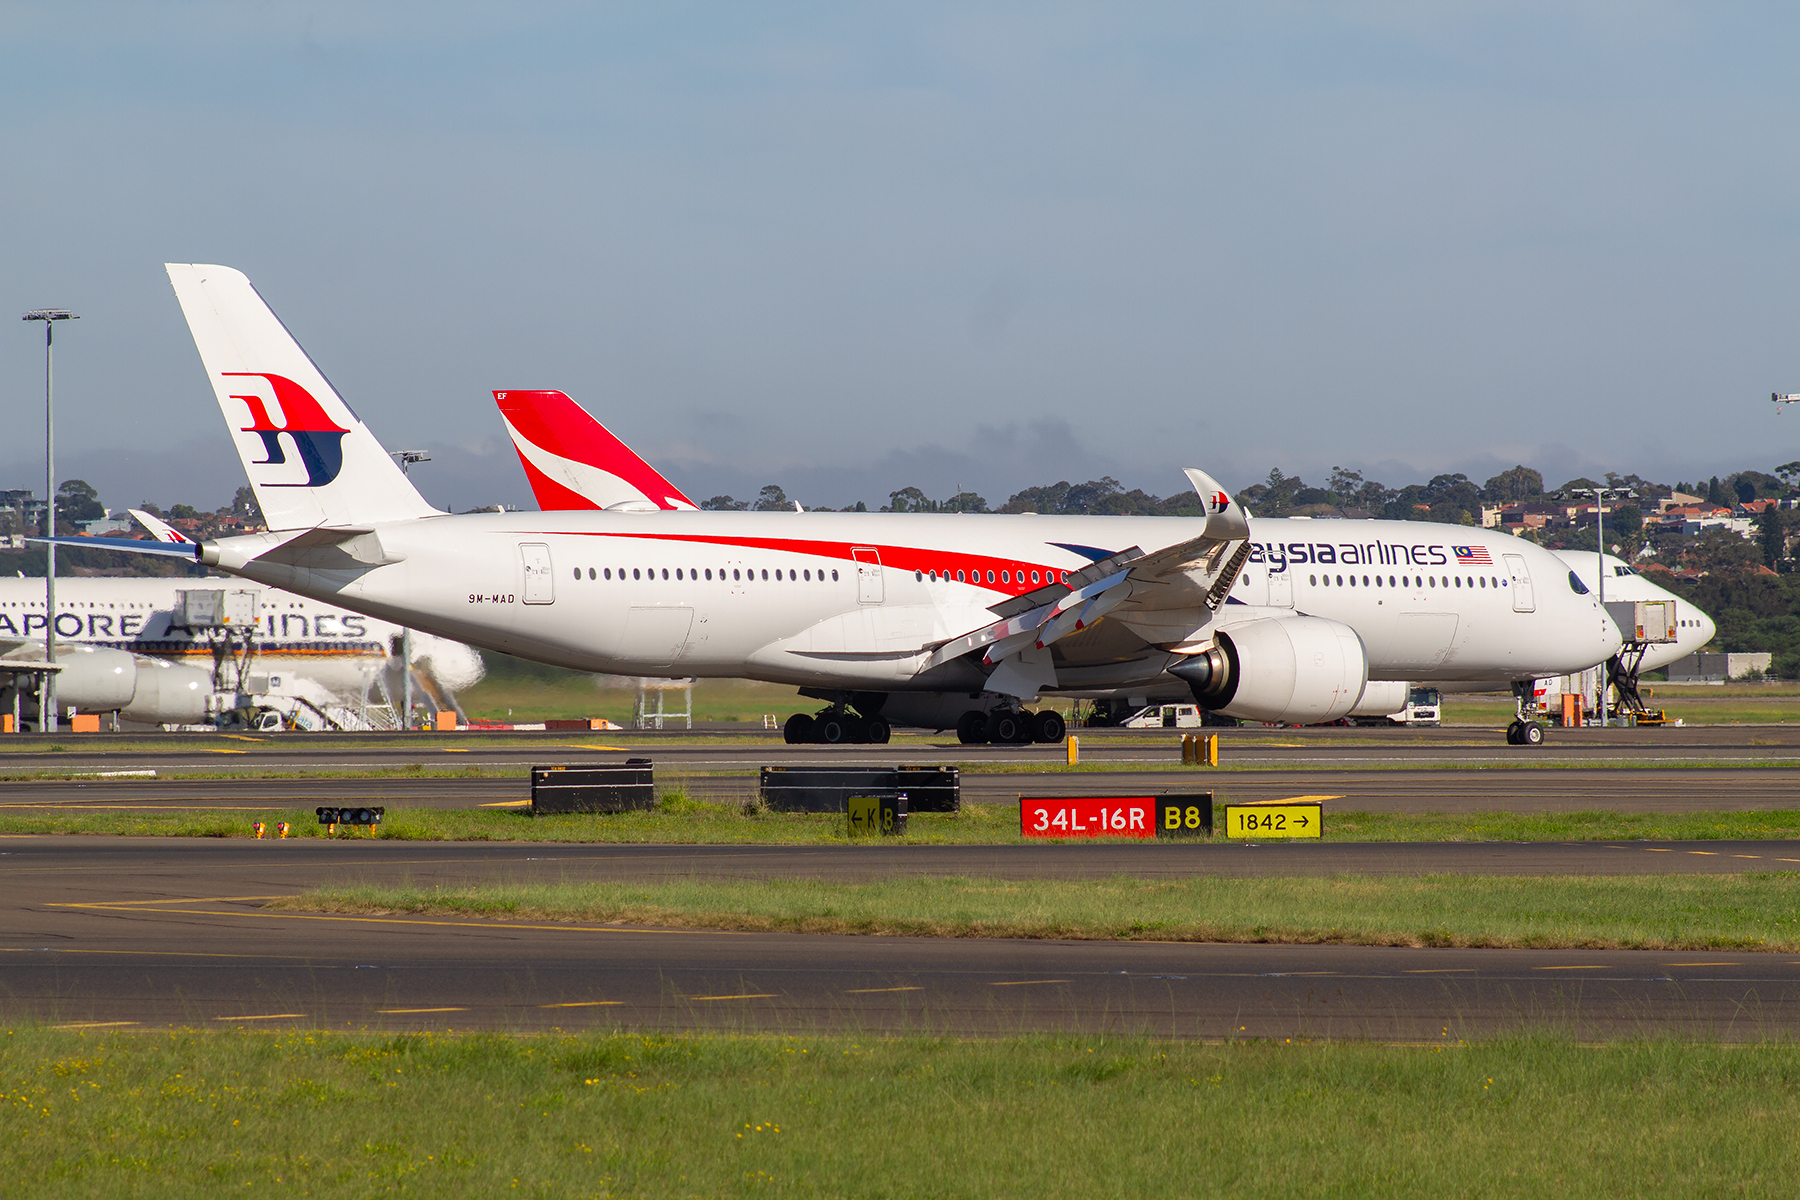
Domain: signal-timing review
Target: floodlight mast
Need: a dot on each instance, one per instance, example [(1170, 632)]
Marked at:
[(407, 458), (47, 690)]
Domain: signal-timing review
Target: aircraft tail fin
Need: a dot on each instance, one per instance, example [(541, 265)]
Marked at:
[(573, 461), (310, 460)]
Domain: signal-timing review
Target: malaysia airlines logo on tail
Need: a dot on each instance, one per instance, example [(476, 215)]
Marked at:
[(319, 442)]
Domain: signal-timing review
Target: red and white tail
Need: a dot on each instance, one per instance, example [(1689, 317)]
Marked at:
[(573, 461)]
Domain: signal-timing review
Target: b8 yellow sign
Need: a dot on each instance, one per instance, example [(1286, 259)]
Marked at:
[(1264, 821)]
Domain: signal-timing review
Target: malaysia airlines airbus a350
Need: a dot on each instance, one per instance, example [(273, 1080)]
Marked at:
[(922, 619)]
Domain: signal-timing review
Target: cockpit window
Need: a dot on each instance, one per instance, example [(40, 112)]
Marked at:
[(1576, 586), (1623, 571)]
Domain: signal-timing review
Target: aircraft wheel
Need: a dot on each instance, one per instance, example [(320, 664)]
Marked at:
[(878, 731), (1532, 734), (971, 728), (1047, 727), (1005, 726), (831, 729), (798, 730), (1512, 733)]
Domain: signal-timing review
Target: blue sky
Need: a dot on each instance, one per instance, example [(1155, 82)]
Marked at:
[(853, 248)]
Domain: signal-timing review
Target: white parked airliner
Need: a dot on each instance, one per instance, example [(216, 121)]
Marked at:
[(906, 617)]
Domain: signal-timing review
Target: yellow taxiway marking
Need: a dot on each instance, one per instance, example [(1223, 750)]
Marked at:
[(620, 749), (742, 996), (872, 991), (213, 750), (1704, 964), (402, 1011), (263, 1017), (1708, 853), (1658, 850), (93, 1024), (1746, 856), (505, 804), (1302, 799), (454, 750), (1024, 982), (1585, 967), (581, 1004), (1438, 970), (238, 737), (1788, 860)]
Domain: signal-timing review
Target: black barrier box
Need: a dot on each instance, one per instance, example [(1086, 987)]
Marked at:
[(828, 789), (1189, 815), (629, 786)]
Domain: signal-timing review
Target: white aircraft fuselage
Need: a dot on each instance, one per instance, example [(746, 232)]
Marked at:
[(856, 601), (335, 647)]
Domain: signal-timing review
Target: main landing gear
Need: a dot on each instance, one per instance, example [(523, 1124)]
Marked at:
[(835, 726), (1008, 726)]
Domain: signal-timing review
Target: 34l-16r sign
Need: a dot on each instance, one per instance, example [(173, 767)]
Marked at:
[(1116, 816)]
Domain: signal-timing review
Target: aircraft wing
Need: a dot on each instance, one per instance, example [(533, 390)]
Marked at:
[(1192, 574)]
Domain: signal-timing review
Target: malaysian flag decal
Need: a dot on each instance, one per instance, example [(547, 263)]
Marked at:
[(1472, 556)]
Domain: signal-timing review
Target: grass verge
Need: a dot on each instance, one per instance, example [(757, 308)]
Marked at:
[(610, 1115), (1758, 912), (681, 821)]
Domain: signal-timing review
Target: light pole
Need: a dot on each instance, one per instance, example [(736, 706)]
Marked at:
[(407, 458), (47, 691), (1600, 495)]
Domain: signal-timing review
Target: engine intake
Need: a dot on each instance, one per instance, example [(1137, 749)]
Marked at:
[(1290, 670)]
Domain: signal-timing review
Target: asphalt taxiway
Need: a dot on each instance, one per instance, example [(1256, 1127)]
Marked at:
[(146, 933), (1547, 789)]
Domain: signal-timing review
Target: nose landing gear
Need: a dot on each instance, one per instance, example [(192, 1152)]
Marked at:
[(1525, 730)]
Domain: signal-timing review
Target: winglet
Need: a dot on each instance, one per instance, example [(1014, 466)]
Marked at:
[(1225, 517), (162, 531)]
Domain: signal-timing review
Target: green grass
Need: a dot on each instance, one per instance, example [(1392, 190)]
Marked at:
[(326, 1115), (1634, 912), (683, 821)]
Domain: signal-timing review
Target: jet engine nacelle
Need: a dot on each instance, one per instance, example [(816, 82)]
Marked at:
[(1381, 698), (97, 679), (1291, 670)]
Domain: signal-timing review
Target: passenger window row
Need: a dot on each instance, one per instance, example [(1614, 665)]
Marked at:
[(1417, 581), (976, 576), (694, 573)]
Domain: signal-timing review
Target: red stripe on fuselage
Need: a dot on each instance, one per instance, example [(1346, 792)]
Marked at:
[(901, 558)]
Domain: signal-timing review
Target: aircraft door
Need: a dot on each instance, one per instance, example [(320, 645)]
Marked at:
[(540, 588), (869, 588), (1281, 588), (1523, 600)]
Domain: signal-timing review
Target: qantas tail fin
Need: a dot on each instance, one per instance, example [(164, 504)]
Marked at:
[(311, 461), (573, 461)]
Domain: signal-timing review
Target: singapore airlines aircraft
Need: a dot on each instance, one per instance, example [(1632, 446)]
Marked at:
[(898, 616), (126, 646)]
